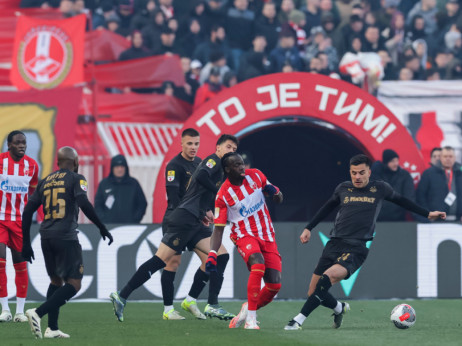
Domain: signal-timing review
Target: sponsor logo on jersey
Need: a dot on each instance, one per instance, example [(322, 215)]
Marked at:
[(244, 211), (170, 176), (359, 199), (211, 163), (346, 200), (373, 189), (249, 246), (84, 185), (176, 242), (253, 186), (4, 186)]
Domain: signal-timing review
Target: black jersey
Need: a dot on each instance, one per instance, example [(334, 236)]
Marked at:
[(57, 193), (359, 208), (177, 175), (203, 187)]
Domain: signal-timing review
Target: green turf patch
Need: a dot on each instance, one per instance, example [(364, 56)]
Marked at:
[(368, 323)]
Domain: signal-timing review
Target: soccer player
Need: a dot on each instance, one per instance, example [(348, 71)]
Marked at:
[(241, 200), (61, 193), (18, 180), (178, 172), (185, 228), (360, 201)]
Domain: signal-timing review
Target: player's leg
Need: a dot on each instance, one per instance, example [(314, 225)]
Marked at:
[(200, 280), (272, 275), (336, 273), (5, 315), (166, 281), (20, 267)]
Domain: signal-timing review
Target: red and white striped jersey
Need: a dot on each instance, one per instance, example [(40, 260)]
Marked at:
[(245, 208), (16, 177)]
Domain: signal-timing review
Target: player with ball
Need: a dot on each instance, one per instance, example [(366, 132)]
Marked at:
[(360, 201)]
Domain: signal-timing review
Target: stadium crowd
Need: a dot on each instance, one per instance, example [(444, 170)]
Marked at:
[(223, 42)]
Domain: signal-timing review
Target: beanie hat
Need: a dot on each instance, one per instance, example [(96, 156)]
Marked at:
[(388, 155), (296, 16)]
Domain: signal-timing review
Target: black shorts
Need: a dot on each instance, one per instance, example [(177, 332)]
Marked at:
[(349, 256), (63, 258), (184, 230)]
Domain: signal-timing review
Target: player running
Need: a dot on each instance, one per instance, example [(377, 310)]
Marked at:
[(360, 201), (18, 180), (241, 201), (61, 193)]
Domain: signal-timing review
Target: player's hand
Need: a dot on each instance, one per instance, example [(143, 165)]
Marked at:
[(278, 198), (305, 236), (208, 218), (105, 233), (211, 264), (27, 253), (435, 215)]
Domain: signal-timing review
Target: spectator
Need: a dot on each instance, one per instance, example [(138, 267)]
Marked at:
[(229, 79), (119, 198), (198, 13), (432, 74), (217, 59), (420, 47), (413, 64), (321, 43), (192, 39), (435, 156), (137, 50), (172, 23), (396, 35), (328, 24), (328, 8), (151, 32), (442, 59), (449, 16), (210, 88), (347, 33), (286, 7), (216, 42), (315, 65), (373, 41), (405, 74), (196, 67), (168, 88), (167, 43), (143, 17), (441, 186), (167, 8), (427, 10), (125, 13), (239, 24), (453, 41), (252, 62), (386, 13), (312, 15), (400, 180), (388, 67), (296, 23), (101, 15), (268, 25), (113, 23), (188, 91), (286, 54)]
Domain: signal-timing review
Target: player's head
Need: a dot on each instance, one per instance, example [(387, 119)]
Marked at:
[(448, 157), (226, 144), (435, 156), (234, 167), (68, 159), (390, 158), (190, 141), (360, 170), (17, 145)]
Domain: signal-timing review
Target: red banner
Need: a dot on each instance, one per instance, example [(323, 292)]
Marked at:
[(104, 45), (138, 73), (48, 118), (48, 53)]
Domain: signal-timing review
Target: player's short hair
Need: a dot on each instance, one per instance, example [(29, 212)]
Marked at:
[(360, 159), (14, 133), (190, 132), (433, 150), (225, 137), (447, 147), (225, 159)]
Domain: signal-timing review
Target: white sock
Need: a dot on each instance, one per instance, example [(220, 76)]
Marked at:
[(338, 309), (190, 299), (251, 315), (300, 318), (167, 308), (4, 302), (20, 305)]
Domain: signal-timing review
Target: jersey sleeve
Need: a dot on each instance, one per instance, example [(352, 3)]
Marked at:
[(173, 175), (261, 177), (221, 211), (36, 198), (80, 186), (34, 181), (388, 192), (210, 165)]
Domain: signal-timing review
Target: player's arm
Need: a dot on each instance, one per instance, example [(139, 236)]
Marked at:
[(34, 180), (221, 216), (173, 178), (32, 205), (325, 210), (415, 208), (270, 190), (203, 177)]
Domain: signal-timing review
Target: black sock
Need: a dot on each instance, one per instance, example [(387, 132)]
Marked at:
[(216, 279), (200, 280), (58, 299), (142, 275), (329, 301), (319, 296), (54, 313), (166, 280)]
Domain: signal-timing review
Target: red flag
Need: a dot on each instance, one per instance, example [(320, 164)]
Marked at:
[(48, 53)]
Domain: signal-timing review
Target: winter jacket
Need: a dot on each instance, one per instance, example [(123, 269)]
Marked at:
[(120, 200)]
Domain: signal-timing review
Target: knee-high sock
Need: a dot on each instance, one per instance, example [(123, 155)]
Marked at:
[(53, 314), (166, 281), (253, 285), (267, 294), (216, 279), (21, 279), (3, 285), (142, 275), (200, 280), (58, 299), (319, 296)]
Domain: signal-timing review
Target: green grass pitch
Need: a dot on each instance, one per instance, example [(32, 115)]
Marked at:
[(438, 323)]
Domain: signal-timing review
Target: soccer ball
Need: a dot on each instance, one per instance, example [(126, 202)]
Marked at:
[(403, 316)]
